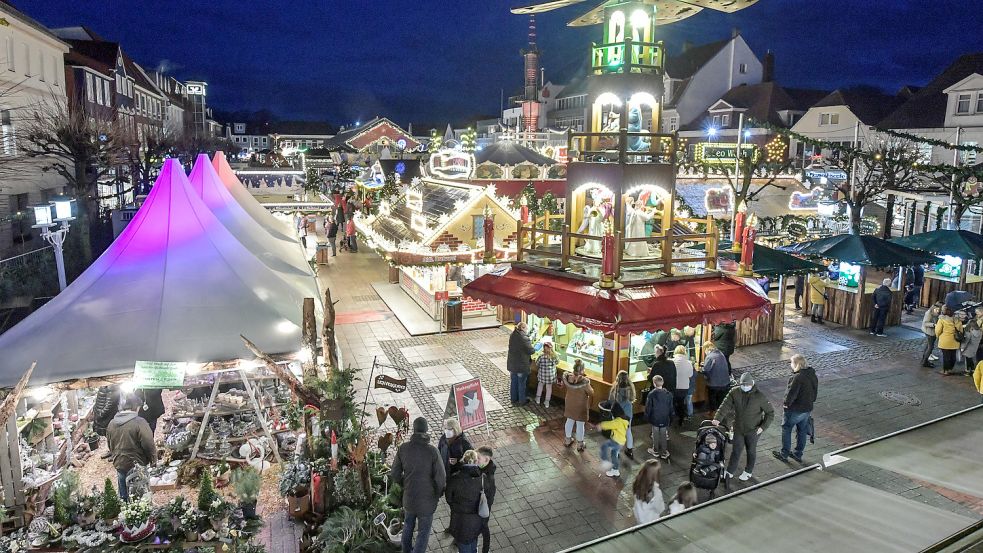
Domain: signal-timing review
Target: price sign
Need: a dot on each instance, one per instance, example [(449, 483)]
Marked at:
[(159, 374), (441, 295)]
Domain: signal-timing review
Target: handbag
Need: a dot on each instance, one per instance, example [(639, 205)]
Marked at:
[(484, 511)]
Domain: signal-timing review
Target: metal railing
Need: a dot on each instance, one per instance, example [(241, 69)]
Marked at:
[(623, 145), (629, 56)]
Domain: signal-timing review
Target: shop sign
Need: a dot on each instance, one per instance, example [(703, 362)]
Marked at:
[(467, 403), (796, 230), (392, 384), (409, 258), (441, 295), (451, 164), (720, 153), (609, 344), (159, 374), (800, 201)]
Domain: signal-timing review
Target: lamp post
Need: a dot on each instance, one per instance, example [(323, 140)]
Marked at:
[(56, 213)]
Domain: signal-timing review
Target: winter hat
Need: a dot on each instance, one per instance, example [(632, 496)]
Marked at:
[(420, 425), (747, 379), (710, 439)]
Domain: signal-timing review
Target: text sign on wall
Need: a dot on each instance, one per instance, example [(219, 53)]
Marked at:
[(159, 374)]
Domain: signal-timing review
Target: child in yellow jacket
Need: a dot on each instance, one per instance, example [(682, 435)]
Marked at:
[(978, 379), (612, 447)]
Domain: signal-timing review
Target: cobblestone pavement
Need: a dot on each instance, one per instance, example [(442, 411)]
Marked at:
[(551, 497)]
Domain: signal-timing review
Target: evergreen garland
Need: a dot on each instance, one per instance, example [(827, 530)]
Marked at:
[(931, 141)]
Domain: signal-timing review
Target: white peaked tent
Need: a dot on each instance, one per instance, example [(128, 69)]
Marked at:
[(176, 285), (276, 227), (283, 256)]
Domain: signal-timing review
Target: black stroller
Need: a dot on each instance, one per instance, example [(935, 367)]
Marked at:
[(707, 468)]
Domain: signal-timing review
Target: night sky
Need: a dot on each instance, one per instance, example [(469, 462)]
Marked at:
[(442, 60)]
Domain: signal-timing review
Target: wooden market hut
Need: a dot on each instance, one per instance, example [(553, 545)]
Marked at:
[(960, 246), (850, 299)]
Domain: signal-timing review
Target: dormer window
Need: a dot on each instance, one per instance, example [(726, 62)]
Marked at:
[(725, 120), (962, 104), (979, 102)]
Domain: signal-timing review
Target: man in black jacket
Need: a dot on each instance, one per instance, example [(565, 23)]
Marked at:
[(487, 466), (724, 336), (519, 363), (665, 368), (420, 470), (803, 387), (882, 304)]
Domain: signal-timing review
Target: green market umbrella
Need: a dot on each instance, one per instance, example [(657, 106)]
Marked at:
[(771, 262), (958, 243), (862, 250)]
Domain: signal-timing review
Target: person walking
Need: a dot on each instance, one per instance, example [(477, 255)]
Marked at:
[(649, 502), (130, 440), (684, 372), (488, 468), (518, 363), (661, 366), (303, 232), (978, 379), (948, 330), (724, 336), (331, 231), (576, 404), (610, 449), (420, 470), (800, 285), (685, 498), (350, 235), (623, 393), (104, 409), (658, 413), (817, 296), (800, 395), (968, 349), (882, 304), (463, 497), (748, 413), (452, 445), (545, 373), (717, 375), (928, 327)]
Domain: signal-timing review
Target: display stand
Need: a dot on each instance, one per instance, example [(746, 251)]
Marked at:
[(209, 408)]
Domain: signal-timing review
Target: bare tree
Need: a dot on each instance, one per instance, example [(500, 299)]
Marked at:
[(190, 145), (963, 184), (875, 168), (81, 149), (145, 155)]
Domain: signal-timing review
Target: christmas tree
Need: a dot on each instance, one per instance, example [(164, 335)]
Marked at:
[(111, 503), (206, 492)]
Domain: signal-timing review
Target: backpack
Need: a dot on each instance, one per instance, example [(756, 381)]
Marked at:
[(483, 510)]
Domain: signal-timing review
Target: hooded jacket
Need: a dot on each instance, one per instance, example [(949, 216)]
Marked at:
[(929, 320), (803, 387), (945, 329), (453, 448), (724, 337), (817, 290), (667, 370), (519, 359), (463, 495), (420, 470), (130, 441), (576, 401), (105, 408), (746, 411), (658, 408), (978, 377), (715, 370), (882, 297)]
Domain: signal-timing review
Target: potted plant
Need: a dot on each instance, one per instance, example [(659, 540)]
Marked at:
[(109, 504), (247, 482), (218, 513), (191, 521), (136, 520), (92, 439), (295, 485), (87, 509)]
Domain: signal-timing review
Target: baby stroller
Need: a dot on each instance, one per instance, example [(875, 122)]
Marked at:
[(707, 468)]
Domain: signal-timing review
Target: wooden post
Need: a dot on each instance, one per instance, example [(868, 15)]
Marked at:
[(711, 243), (309, 340), (329, 343), (204, 419), (520, 243), (858, 321), (963, 269), (260, 415), (565, 247)]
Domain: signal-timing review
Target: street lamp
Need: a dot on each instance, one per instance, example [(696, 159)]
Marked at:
[(50, 215)]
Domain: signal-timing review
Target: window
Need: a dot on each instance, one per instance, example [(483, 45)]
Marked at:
[(89, 92), (725, 120), (742, 68), (673, 123), (967, 157), (829, 119), (99, 93), (979, 102), (9, 49), (105, 89), (962, 104), (7, 133), (716, 121)]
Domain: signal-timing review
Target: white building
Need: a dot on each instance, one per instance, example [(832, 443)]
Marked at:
[(33, 60)]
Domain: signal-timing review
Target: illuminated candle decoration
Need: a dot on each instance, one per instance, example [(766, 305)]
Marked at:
[(523, 209), (747, 245), (739, 219)]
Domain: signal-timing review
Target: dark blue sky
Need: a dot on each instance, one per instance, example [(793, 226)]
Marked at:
[(440, 60)]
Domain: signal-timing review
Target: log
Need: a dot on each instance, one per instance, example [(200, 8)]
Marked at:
[(329, 342), (310, 339), (306, 395), (10, 402)]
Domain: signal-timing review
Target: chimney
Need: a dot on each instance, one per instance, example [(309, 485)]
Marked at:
[(686, 46), (735, 32), (768, 68)]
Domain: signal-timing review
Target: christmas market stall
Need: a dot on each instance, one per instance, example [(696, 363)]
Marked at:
[(162, 309), (957, 248), (439, 235), (850, 297)]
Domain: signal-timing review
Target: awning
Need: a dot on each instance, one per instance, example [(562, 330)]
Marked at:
[(632, 309), (959, 243), (811, 511), (862, 250), (767, 261)]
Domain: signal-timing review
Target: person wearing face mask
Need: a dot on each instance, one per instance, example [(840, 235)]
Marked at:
[(928, 327), (487, 466), (748, 413), (463, 497), (452, 445), (803, 387)]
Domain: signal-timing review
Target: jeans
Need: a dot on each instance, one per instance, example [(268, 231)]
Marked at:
[(689, 402), (517, 387), (948, 359), (333, 240), (799, 420), (741, 442), (470, 547), (877, 320), (422, 523), (485, 536), (929, 347), (124, 493), (679, 403), (818, 309), (611, 448), (568, 429), (660, 440)]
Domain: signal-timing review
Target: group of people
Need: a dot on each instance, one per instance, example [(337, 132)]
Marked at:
[(454, 469), (128, 420), (341, 218), (958, 336)]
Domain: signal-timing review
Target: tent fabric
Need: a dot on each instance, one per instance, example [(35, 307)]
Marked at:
[(959, 243), (176, 285), (944, 453), (649, 307), (767, 261), (282, 256), (861, 250), (279, 229), (810, 511), (505, 152)]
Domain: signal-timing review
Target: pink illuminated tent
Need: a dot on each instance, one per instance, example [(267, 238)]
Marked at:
[(281, 255), (279, 229), (176, 285)]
